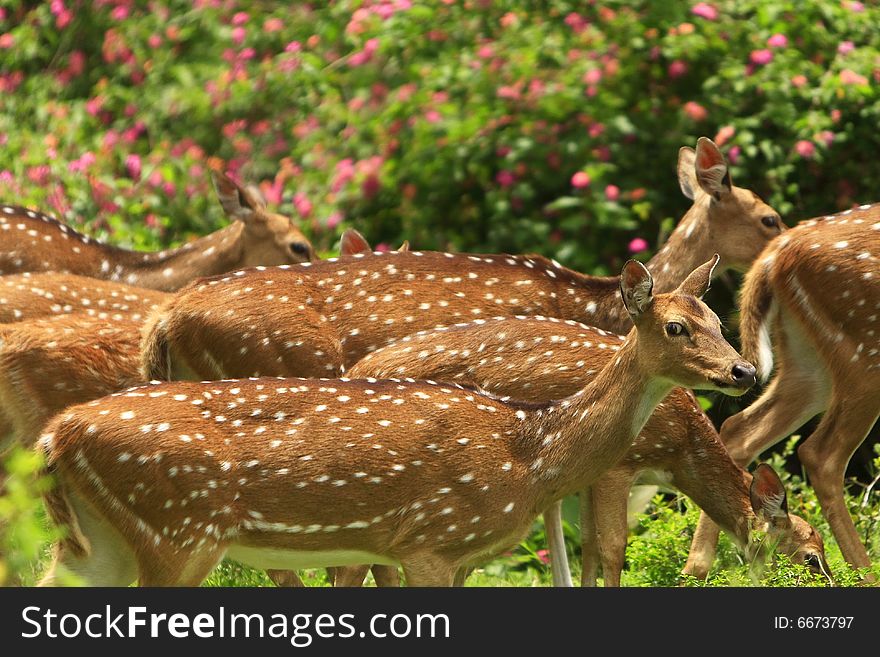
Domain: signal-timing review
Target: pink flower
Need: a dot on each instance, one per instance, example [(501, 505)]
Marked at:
[(638, 245), (612, 192), (543, 555), (826, 136), (273, 25), (240, 18), (761, 57), (806, 149), (94, 105), (485, 52), (695, 111), (799, 80), (508, 19), (432, 116), (724, 135), (119, 13), (293, 46), (154, 40), (846, 47), (7, 40), (777, 41), (854, 6), (705, 10), (576, 22), (593, 76), (677, 68), (580, 180), (302, 204), (334, 219), (505, 178), (133, 166), (39, 174), (86, 160), (238, 35), (848, 76), (382, 247)]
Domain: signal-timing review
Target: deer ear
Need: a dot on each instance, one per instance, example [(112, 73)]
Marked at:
[(687, 174), (352, 242), (711, 169), (404, 248), (698, 281), (636, 285), (238, 202), (769, 501)]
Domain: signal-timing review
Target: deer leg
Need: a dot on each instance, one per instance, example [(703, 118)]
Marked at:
[(386, 576), (428, 570), (787, 404), (702, 552), (825, 455), (589, 540), (285, 578), (190, 570), (609, 511), (556, 543), (108, 560), (461, 575), (349, 576)]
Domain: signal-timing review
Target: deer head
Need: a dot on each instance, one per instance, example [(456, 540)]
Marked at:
[(793, 535), (246, 205), (738, 223), (680, 336)]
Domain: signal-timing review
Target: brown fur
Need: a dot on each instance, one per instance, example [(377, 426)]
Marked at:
[(816, 291), (312, 320), (31, 241), (30, 296), (542, 359), (426, 475)]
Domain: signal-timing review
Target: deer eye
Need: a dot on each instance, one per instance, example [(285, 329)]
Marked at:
[(299, 248), (674, 329), (770, 221)]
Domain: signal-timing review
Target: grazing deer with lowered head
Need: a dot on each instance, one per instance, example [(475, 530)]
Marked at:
[(812, 301), (31, 241), (542, 359), (313, 319), (161, 482)]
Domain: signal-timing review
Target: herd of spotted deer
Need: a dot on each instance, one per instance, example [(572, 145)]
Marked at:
[(240, 397)]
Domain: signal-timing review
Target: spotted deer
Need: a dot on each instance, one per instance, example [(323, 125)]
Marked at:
[(542, 359), (316, 318), (44, 294), (290, 473), (811, 302), (31, 241), (29, 296), (77, 339)]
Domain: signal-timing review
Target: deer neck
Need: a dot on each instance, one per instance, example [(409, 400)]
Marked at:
[(216, 253), (600, 304), (571, 442), (684, 251)]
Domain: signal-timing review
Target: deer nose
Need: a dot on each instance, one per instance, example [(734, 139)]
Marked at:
[(743, 375)]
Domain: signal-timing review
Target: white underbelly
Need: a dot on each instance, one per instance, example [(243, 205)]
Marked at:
[(280, 559)]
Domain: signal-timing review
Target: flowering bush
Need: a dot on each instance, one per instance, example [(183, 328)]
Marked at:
[(460, 124)]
